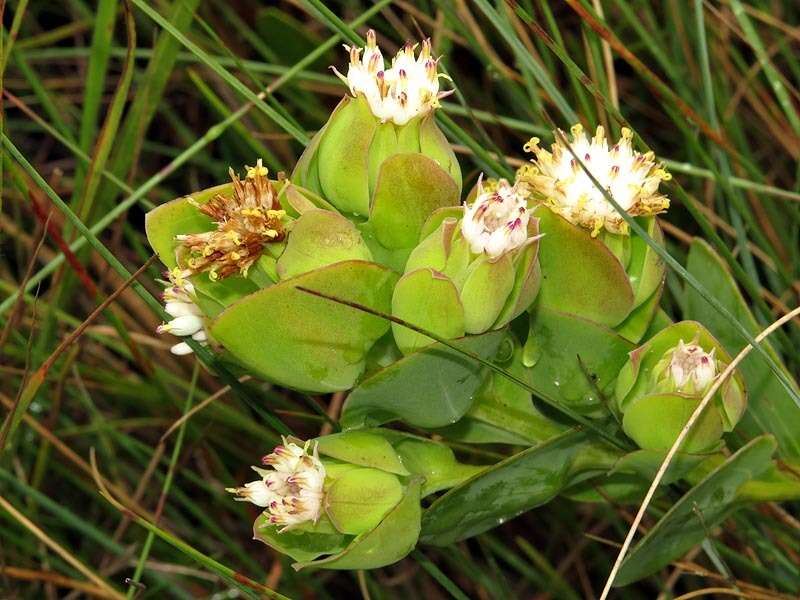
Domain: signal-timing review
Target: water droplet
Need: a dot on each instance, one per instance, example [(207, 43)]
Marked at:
[(531, 354)]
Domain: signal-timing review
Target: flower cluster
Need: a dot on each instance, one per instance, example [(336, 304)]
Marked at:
[(497, 222), (409, 88), (629, 177), (688, 368), (292, 490), (179, 303), (247, 220)]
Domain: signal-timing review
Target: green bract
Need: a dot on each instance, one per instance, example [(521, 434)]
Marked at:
[(371, 504), (387, 177), (661, 385), (451, 291)]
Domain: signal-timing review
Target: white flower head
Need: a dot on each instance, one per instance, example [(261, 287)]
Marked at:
[(630, 178), (408, 88), (292, 489), (691, 369), (497, 222), (179, 303)]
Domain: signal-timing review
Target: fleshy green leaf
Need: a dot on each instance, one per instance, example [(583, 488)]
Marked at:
[(511, 487), (362, 448), (342, 156), (358, 499), (654, 422), (387, 543), (580, 275), (485, 291), (646, 268), (433, 144), (503, 412), (409, 188), (427, 299), (301, 544), (645, 464), (693, 517), (433, 387), (319, 238), (556, 341), (435, 462), (179, 216), (303, 341)]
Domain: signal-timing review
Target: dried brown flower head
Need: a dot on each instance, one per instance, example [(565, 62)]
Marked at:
[(247, 221)]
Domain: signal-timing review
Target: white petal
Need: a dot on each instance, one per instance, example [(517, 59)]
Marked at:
[(181, 349), (180, 309), (185, 325)]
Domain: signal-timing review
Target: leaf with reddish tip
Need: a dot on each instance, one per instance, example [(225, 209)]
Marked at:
[(303, 341), (410, 187), (429, 300), (580, 275)]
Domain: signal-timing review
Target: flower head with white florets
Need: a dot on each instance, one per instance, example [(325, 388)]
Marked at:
[(246, 221), (629, 177), (497, 221), (292, 490), (687, 368), (407, 89), (179, 303)]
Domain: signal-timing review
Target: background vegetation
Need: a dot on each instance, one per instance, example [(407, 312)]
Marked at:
[(110, 108)]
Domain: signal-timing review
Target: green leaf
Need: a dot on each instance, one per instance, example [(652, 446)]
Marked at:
[(771, 408), (433, 144), (485, 291), (305, 342), (358, 500), (409, 188), (527, 280), (301, 544), (645, 464), (580, 275), (176, 217), (690, 519), (503, 412), (435, 462), (555, 342), (636, 325), (655, 421), (362, 448), (511, 487), (646, 269), (427, 299), (319, 238), (343, 152), (387, 543), (433, 387)]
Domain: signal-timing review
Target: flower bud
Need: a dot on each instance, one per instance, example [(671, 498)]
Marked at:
[(666, 378), (351, 498), (594, 267), (179, 297), (687, 368), (389, 112), (471, 274)]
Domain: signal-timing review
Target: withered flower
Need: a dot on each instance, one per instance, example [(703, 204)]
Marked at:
[(246, 221)]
